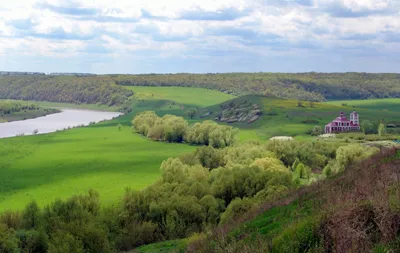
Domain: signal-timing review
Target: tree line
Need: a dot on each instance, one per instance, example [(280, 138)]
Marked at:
[(9, 107), (171, 128), (196, 192)]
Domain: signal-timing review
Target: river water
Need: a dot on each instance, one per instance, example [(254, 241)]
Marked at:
[(53, 122)]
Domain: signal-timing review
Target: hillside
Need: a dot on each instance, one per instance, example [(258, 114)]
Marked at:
[(357, 211), (304, 86), (68, 89), (112, 90), (292, 117)]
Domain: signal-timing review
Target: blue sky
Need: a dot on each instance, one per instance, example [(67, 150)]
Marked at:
[(149, 36)]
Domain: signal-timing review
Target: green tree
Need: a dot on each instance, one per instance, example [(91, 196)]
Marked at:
[(381, 129), (317, 130), (191, 113), (367, 127), (8, 241)]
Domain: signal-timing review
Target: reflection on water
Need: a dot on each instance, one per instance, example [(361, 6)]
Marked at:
[(53, 122)]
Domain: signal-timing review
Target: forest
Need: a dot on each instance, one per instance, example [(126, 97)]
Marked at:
[(68, 89), (196, 192)]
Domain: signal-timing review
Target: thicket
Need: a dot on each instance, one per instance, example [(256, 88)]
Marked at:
[(196, 192), (303, 86), (172, 128), (70, 89)]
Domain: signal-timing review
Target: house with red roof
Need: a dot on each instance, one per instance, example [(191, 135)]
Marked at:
[(342, 124)]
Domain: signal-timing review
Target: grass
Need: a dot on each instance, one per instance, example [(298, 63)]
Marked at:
[(182, 95), (173, 246), (58, 165), (387, 104)]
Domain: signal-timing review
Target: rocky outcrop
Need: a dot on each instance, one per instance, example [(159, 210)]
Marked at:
[(239, 112)]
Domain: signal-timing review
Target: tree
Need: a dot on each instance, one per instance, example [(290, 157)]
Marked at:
[(303, 171), (317, 130), (367, 127), (191, 113), (300, 104), (381, 129)]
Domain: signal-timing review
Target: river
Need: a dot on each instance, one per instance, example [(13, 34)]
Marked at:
[(53, 122)]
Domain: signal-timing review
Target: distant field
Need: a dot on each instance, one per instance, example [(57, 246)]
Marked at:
[(182, 95), (284, 117), (387, 104)]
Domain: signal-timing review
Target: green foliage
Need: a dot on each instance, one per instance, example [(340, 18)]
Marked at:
[(367, 127), (18, 110), (62, 242), (317, 130), (381, 129), (70, 89), (191, 113), (8, 241), (171, 128), (236, 208), (303, 171)]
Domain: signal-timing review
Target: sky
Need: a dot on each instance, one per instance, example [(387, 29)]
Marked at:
[(200, 36)]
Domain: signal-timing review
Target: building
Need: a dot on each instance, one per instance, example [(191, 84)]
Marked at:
[(342, 124)]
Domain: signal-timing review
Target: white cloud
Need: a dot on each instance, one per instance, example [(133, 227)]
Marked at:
[(156, 28)]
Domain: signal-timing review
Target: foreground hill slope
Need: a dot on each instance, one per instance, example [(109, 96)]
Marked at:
[(357, 211)]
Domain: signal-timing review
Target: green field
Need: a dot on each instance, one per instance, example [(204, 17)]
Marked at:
[(189, 96), (58, 165), (387, 104)]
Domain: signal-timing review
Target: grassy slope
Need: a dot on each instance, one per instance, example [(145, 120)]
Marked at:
[(58, 165), (388, 104), (289, 117)]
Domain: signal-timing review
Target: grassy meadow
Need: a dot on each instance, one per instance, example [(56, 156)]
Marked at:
[(387, 104), (182, 95)]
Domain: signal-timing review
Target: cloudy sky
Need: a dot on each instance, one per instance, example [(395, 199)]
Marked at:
[(165, 36)]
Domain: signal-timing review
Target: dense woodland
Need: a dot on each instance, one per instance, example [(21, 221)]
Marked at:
[(69, 89), (304, 86), (107, 89), (196, 192)]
